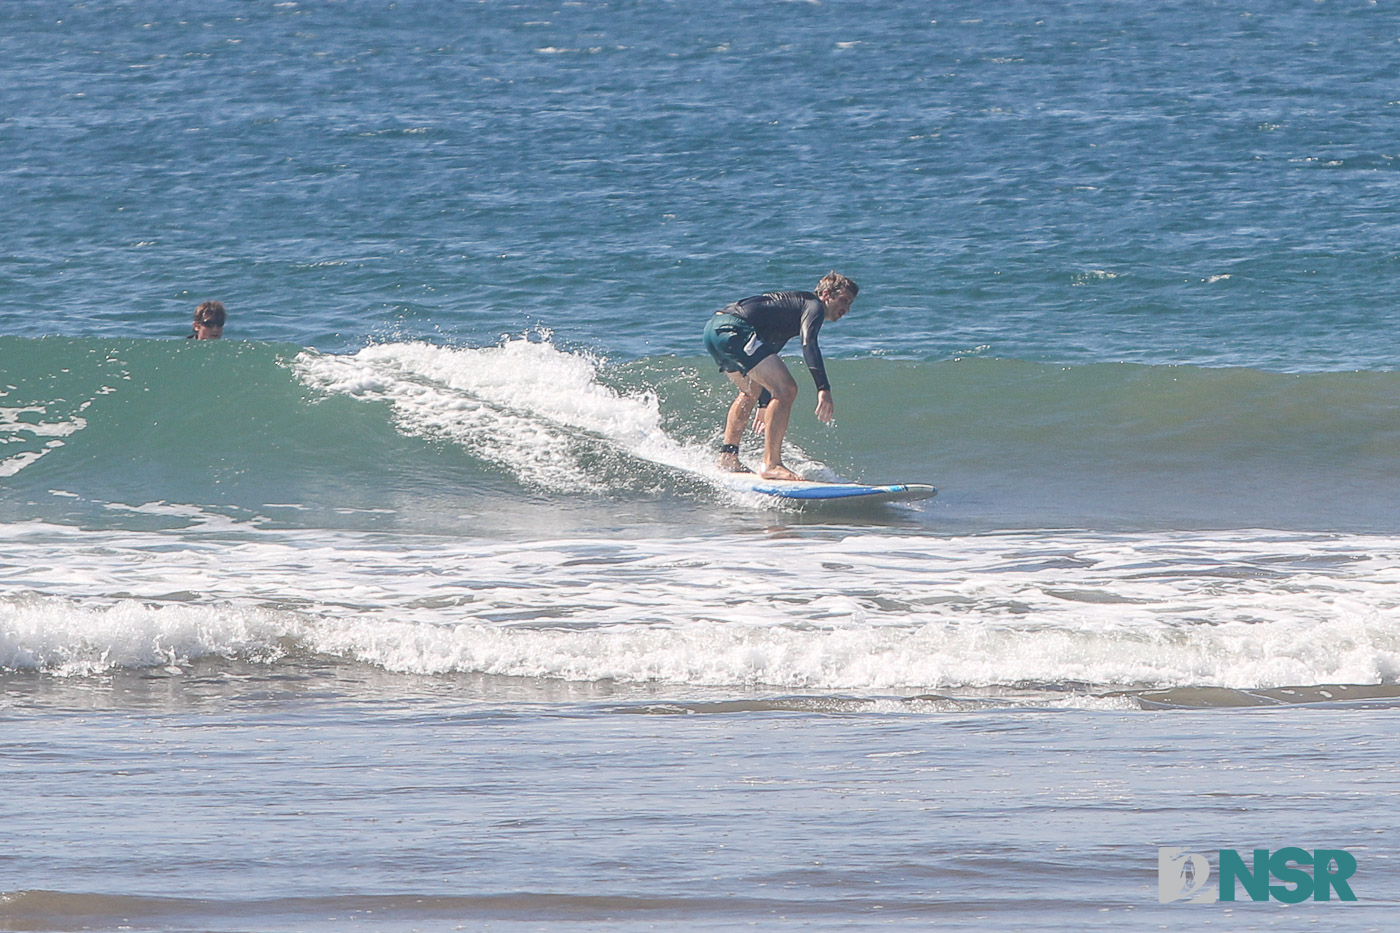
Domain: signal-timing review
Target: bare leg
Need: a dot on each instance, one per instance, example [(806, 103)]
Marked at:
[(735, 423), (772, 374)]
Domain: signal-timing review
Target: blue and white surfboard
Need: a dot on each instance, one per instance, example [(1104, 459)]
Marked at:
[(826, 492)]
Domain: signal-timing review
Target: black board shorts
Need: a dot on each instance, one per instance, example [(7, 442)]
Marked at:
[(734, 344)]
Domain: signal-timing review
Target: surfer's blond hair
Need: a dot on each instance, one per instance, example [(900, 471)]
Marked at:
[(834, 282)]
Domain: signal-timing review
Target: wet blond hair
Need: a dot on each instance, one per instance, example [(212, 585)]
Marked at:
[(834, 282)]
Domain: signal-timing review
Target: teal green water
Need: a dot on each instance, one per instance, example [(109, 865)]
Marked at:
[(1013, 444)]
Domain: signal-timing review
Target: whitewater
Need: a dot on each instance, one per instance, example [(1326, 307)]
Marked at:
[(893, 603)]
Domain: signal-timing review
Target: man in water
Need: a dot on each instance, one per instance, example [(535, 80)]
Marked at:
[(745, 337), (209, 320)]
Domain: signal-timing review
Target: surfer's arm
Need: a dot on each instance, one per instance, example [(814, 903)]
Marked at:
[(811, 353)]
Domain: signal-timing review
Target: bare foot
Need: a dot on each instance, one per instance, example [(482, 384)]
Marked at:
[(729, 463), (778, 471)]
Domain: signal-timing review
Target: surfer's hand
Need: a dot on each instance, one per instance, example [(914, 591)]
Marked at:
[(826, 408), (760, 420)]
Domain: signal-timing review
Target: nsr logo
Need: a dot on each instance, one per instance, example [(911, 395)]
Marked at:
[(1185, 876)]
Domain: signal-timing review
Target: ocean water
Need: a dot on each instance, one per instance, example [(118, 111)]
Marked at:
[(415, 604)]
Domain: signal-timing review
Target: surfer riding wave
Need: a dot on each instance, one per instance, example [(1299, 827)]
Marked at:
[(745, 337)]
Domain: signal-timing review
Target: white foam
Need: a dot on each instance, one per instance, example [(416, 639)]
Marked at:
[(525, 405), (867, 612), (71, 637), (17, 430)]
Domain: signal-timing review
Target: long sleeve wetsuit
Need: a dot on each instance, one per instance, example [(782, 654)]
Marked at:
[(777, 317)]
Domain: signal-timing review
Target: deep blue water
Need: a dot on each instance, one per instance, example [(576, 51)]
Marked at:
[(1168, 183)]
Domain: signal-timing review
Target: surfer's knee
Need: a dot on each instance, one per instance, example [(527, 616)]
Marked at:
[(785, 391)]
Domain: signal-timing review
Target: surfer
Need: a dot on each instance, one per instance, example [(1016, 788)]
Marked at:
[(745, 337), (209, 320)]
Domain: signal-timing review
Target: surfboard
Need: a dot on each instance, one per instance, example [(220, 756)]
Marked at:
[(815, 492)]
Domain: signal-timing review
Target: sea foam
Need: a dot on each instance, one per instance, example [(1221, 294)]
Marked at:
[(864, 612), (540, 412)]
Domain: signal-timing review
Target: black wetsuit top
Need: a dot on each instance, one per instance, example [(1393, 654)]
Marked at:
[(777, 317)]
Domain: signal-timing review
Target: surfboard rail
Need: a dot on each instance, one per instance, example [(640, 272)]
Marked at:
[(810, 491)]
